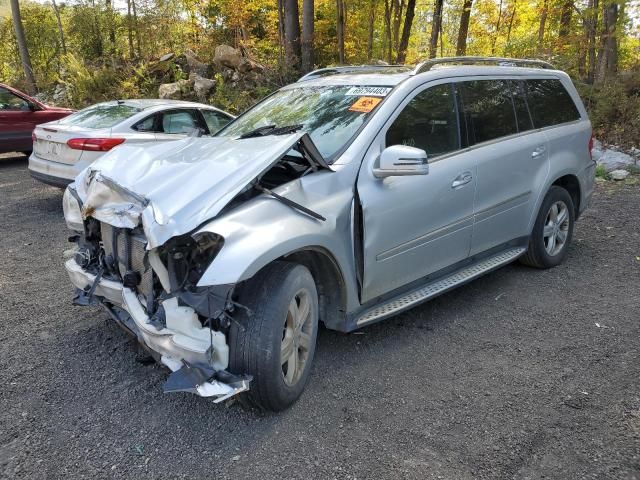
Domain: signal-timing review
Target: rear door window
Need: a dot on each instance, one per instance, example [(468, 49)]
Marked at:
[(178, 122), (429, 121), (488, 110), (519, 96), (550, 103)]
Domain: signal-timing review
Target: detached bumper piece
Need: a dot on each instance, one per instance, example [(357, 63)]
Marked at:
[(197, 356), (206, 383)]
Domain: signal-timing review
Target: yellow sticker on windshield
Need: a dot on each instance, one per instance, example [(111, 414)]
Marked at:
[(365, 104)]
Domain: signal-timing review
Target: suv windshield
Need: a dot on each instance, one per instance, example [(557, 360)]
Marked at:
[(330, 114), (100, 116)]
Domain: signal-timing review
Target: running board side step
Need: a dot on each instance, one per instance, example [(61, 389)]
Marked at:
[(431, 290)]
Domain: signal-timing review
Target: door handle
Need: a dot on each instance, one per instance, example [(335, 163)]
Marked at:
[(462, 179), (538, 151)]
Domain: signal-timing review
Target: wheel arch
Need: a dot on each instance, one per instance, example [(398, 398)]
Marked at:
[(329, 279), (571, 184)]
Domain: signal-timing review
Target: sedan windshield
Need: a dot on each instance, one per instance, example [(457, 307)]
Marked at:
[(331, 115), (100, 116)]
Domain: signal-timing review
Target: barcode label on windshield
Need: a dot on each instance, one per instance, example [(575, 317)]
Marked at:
[(368, 91)]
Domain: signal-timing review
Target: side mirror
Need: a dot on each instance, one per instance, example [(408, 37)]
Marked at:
[(401, 160)]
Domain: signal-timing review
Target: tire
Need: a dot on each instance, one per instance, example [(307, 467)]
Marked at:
[(552, 232), (259, 341)]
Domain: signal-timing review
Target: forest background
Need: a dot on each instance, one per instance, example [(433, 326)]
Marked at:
[(79, 52)]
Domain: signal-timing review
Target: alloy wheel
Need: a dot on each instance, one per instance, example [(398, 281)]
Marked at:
[(296, 337), (556, 228)]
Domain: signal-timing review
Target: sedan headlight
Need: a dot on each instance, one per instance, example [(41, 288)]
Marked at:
[(71, 209)]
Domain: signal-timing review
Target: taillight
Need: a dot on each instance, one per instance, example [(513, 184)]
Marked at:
[(94, 144), (33, 136), (591, 146)]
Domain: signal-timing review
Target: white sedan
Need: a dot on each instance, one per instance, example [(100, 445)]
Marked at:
[(63, 148)]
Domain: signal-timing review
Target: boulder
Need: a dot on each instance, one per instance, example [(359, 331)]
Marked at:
[(196, 66), (202, 86), (174, 91), (618, 174), (166, 57), (227, 56)]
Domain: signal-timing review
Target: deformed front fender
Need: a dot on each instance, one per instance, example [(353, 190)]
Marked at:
[(264, 229)]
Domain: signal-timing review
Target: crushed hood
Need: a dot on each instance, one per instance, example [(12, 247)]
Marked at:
[(175, 186)]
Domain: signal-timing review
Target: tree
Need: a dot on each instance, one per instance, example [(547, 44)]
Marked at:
[(60, 30), (22, 47), (543, 21), (307, 35), (608, 53), (565, 18), (341, 22), (463, 31), (436, 26), (371, 27), (292, 33), (406, 31)]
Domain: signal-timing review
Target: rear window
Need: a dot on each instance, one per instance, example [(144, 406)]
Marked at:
[(100, 116), (550, 103), (488, 110)]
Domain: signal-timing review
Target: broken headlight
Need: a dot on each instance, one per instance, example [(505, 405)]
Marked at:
[(72, 211), (188, 257)]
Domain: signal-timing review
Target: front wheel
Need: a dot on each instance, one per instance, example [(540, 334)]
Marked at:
[(276, 342), (552, 232)]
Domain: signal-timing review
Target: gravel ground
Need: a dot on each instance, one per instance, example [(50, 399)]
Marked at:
[(522, 374)]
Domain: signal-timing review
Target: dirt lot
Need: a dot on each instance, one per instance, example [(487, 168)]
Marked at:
[(522, 374)]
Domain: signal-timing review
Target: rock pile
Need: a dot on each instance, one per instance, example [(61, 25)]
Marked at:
[(228, 62)]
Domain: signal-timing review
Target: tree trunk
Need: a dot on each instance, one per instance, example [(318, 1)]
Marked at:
[(130, 30), (135, 26), (292, 33), (608, 55), (60, 31), (388, 13), (497, 32), (565, 18), (22, 47), (406, 31), (371, 28), (308, 13), (399, 7), (463, 31), (281, 32), (590, 25), (435, 28), (112, 30), (543, 21), (510, 27), (341, 21)]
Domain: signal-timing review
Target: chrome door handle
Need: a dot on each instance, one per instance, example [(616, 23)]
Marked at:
[(462, 179), (538, 151)]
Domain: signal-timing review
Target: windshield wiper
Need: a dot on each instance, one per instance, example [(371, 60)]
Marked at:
[(288, 202), (271, 130)]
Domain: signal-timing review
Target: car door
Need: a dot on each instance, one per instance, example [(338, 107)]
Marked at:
[(414, 226), (178, 123), (16, 122), (511, 159)]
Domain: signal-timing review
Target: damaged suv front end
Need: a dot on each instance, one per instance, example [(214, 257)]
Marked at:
[(149, 222)]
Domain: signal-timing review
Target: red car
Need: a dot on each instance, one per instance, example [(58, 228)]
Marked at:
[(19, 114)]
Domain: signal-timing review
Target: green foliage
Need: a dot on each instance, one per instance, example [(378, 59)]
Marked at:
[(236, 99), (601, 172), (614, 109)]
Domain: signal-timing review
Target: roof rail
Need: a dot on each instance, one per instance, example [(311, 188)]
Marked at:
[(322, 72), (500, 61)]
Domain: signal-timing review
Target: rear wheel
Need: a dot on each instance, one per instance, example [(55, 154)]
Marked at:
[(552, 232), (276, 342)]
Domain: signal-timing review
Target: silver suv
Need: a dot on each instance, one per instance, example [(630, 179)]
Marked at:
[(344, 198)]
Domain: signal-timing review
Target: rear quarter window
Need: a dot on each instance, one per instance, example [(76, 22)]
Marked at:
[(550, 103)]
